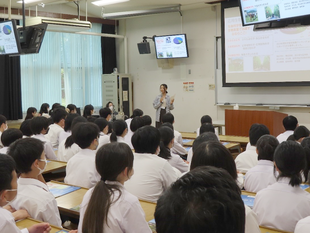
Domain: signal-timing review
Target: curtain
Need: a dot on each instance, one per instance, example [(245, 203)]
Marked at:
[(108, 50)]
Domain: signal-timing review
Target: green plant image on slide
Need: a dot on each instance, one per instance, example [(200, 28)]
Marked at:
[(272, 14), (261, 63), (235, 64), (250, 15)]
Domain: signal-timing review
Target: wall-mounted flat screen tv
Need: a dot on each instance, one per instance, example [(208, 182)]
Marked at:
[(9, 40), (171, 46)]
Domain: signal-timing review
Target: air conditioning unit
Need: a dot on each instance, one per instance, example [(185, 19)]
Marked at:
[(60, 25)]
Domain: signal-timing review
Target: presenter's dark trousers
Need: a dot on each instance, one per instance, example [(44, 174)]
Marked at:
[(162, 112)]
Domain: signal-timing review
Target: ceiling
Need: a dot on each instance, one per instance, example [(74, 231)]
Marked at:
[(95, 11)]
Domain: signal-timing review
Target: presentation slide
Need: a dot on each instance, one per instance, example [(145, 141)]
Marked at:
[(257, 11), (8, 44), (172, 46), (277, 55)]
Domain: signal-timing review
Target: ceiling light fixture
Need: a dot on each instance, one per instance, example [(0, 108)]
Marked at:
[(29, 1), (108, 2)]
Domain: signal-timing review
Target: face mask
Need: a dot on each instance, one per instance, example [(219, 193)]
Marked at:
[(6, 127), (8, 202), (111, 107), (42, 170)]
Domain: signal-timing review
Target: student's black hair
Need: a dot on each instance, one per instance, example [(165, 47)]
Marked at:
[(68, 121), (2, 120), (214, 154), (87, 110), (206, 199), (111, 160), (110, 128), (146, 140), (54, 107), (290, 122), (166, 136), (44, 108), (256, 131), (25, 151), (101, 122), (7, 166), (167, 124), (83, 134), (206, 127), (205, 137), (290, 159), (69, 141), (301, 132), (91, 119), (119, 126), (136, 123), (25, 128), (205, 119), (107, 105), (10, 135), (266, 146), (165, 86), (59, 114), (306, 145), (104, 112), (291, 138), (29, 113), (147, 120), (168, 117), (71, 107), (38, 124), (136, 112)]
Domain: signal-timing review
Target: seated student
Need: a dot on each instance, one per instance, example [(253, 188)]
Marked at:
[(119, 131), (33, 195), (206, 119), (136, 113), (303, 225), (8, 192), (207, 127), (166, 142), (147, 120), (153, 175), (109, 207), (8, 137), (31, 113), (67, 148), (59, 116), (205, 199), (26, 129), (80, 168), (3, 126), (63, 135), (262, 175), (105, 113), (44, 109), (103, 125), (248, 158), (289, 123), (299, 134), (282, 204), (306, 145), (88, 111), (215, 154), (135, 124), (72, 108), (168, 117), (39, 126)]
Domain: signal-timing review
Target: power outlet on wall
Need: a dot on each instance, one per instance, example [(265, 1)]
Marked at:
[(211, 86)]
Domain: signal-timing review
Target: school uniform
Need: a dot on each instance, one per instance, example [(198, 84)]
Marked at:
[(125, 214), (177, 162), (215, 129), (48, 149), (152, 176), (34, 196), (1, 145), (303, 226), (251, 223), (121, 139), (281, 206), (190, 155), (4, 150), (178, 149), (103, 139), (81, 169), (129, 134), (53, 134), (260, 176), (65, 154), (283, 136), (7, 223), (64, 135), (246, 160)]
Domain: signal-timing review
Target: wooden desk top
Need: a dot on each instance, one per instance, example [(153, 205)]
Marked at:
[(228, 146), (28, 222), (270, 230), (188, 135), (248, 193), (149, 209), (237, 139), (54, 165)]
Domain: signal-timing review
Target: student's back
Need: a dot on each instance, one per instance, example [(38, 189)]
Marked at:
[(289, 123)]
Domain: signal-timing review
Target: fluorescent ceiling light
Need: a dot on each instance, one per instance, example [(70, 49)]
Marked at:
[(108, 2), (29, 1)]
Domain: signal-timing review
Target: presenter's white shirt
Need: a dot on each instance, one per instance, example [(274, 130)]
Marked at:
[(125, 214), (251, 223), (64, 135), (283, 136), (48, 149), (35, 197), (152, 176), (281, 206), (177, 162), (246, 160), (303, 226), (81, 169), (260, 176), (65, 154), (7, 223), (53, 134)]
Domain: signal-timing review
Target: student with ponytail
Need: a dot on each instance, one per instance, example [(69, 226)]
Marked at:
[(109, 207), (119, 131), (282, 204)]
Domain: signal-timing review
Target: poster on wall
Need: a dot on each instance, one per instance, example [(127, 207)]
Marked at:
[(188, 86)]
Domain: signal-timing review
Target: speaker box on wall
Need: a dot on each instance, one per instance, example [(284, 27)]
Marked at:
[(144, 48)]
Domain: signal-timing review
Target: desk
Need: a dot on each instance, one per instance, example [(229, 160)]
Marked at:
[(229, 146), (220, 128), (54, 165), (270, 230), (248, 193), (28, 222), (187, 135), (149, 209)]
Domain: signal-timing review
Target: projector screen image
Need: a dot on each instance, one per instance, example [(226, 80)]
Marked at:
[(9, 44), (254, 11), (269, 56), (171, 46)]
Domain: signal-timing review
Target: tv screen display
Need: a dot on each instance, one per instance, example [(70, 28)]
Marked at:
[(171, 46), (9, 40), (255, 12)]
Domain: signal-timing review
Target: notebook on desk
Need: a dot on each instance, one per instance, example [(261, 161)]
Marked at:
[(60, 189), (248, 200)]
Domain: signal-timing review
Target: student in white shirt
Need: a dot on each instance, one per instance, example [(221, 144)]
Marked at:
[(109, 207), (33, 193), (119, 131), (289, 123), (26, 129), (59, 116), (206, 199), (72, 108), (147, 120), (63, 135), (39, 126), (105, 113), (135, 124), (206, 119), (81, 170), (88, 111), (8, 137), (282, 204), (8, 192), (263, 174), (303, 225), (3, 127), (136, 113), (299, 134), (103, 125), (248, 158), (153, 175), (166, 143), (44, 109)]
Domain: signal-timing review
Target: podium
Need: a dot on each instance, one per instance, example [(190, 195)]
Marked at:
[(238, 122)]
